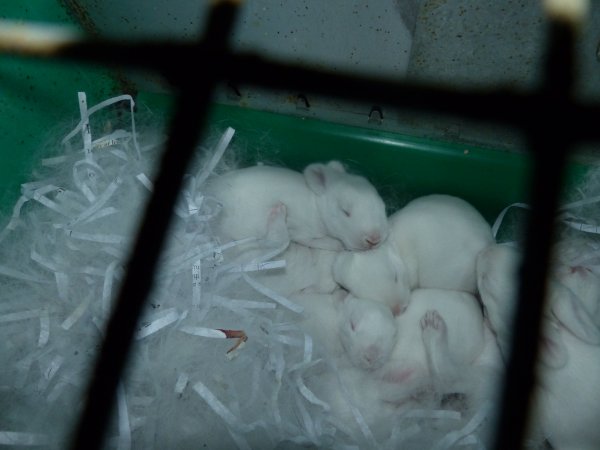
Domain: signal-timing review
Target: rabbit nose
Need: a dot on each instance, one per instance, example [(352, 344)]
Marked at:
[(398, 310), (373, 239), (371, 354)]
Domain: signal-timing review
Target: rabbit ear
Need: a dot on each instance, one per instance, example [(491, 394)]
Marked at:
[(319, 176), (336, 165), (571, 313), (316, 177), (553, 352), (340, 295)]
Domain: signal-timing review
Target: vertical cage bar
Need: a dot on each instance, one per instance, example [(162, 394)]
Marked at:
[(548, 138), (190, 114)]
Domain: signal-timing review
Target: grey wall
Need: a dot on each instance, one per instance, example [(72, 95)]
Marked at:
[(339, 34), (456, 42), (481, 43)]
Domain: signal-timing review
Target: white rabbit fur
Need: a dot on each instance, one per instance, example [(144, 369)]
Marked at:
[(364, 330), (367, 331), (567, 399), (327, 207), (460, 360), (321, 319), (307, 270), (428, 356), (581, 278), (433, 243)]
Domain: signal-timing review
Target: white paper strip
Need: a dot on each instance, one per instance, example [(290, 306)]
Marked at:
[(50, 371), (38, 197), (10, 272), (101, 201), (88, 270), (309, 425), (182, 382), (273, 295), (278, 362), (578, 203), (220, 409), (433, 414), (275, 405), (22, 315), (203, 332), (234, 304), (293, 342), (142, 178), (219, 150), (55, 161), (81, 182), (115, 138), (358, 417), (167, 318), (107, 286), (308, 394), (583, 227), (308, 348), (124, 442), (500, 217), (196, 283), (257, 266), (44, 328), (18, 438), (86, 133), (56, 391), (470, 440), (451, 438), (114, 239), (93, 110), (119, 154), (401, 434), (62, 285), (50, 265), (77, 312), (239, 440), (304, 365), (16, 215)]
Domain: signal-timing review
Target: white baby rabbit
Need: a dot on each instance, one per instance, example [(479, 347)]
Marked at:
[(585, 284), (567, 399), (327, 207), (433, 243), (497, 268), (357, 337), (367, 332), (441, 348), (384, 366), (364, 330), (576, 268), (306, 269), (441, 340), (321, 320)]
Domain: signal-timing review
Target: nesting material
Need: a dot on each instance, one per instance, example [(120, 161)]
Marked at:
[(220, 360)]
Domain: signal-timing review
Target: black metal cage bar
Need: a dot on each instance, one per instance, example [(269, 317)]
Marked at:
[(550, 107)]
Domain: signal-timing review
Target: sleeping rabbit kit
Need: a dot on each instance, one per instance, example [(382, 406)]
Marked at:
[(310, 296)]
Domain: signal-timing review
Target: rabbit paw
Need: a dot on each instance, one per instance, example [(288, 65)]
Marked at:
[(433, 328), (277, 231)]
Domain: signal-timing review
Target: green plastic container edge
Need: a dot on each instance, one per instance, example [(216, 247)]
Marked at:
[(402, 167)]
